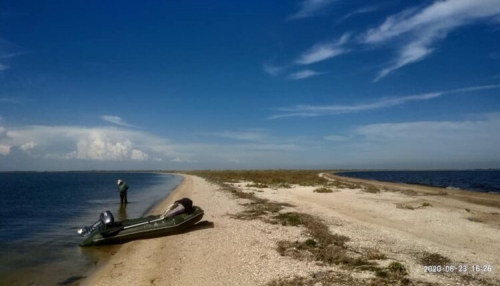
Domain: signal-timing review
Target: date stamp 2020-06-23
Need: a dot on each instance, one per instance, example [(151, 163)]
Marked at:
[(459, 268)]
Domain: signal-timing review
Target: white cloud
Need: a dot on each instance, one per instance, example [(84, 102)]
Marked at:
[(83, 143), (358, 12), (324, 51), (318, 110), (4, 149), (458, 138), (303, 74), (107, 146), (138, 155), (116, 120), (272, 70), (309, 8), (423, 27), (250, 135), (3, 67), (336, 138), (466, 143), (27, 147)]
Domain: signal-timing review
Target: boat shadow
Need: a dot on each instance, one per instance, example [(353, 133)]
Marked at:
[(201, 225)]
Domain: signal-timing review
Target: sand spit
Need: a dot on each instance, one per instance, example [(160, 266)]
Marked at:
[(404, 223)]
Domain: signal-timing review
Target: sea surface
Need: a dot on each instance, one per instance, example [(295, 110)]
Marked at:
[(485, 181), (40, 213)]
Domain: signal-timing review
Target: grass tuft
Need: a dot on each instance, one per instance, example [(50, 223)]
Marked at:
[(404, 206), (371, 189), (323, 190), (434, 259)]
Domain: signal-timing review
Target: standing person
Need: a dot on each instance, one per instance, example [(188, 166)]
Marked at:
[(122, 187)]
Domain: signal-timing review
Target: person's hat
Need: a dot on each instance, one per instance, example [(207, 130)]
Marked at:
[(119, 182)]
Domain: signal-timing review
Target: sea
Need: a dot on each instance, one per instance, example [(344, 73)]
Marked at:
[(485, 181), (40, 213)]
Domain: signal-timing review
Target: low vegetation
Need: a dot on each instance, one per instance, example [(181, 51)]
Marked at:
[(323, 190), (404, 206), (274, 178), (371, 189), (321, 245), (434, 259)]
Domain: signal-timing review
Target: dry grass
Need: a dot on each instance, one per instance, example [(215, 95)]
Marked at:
[(373, 254), (275, 178), (322, 246), (434, 259), (371, 189), (404, 206), (323, 190), (426, 204), (410, 192), (257, 185)]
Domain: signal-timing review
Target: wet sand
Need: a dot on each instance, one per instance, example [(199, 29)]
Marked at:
[(402, 221)]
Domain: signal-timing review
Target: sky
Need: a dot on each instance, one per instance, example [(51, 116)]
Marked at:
[(175, 85)]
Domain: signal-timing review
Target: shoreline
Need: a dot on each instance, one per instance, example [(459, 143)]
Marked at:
[(339, 173), (105, 256), (243, 252)]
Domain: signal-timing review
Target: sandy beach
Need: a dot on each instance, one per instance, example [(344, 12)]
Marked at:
[(401, 224)]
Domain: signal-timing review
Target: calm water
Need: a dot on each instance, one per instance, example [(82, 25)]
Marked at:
[(487, 181), (41, 212)]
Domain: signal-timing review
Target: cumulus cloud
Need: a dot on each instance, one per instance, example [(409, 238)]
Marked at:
[(324, 51), (319, 110), (82, 143), (107, 146), (309, 8), (303, 74), (421, 28)]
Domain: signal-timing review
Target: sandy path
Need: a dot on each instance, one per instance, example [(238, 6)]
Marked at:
[(236, 252)]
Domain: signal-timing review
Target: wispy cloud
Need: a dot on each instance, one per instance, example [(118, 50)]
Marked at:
[(336, 138), (303, 74), (309, 8), (14, 100), (11, 55), (116, 120), (272, 70), (360, 11), (324, 51), (466, 143), (248, 135), (3, 67), (422, 27), (320, 110)]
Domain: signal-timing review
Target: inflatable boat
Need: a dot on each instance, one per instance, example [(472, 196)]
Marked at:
[(176, 218)]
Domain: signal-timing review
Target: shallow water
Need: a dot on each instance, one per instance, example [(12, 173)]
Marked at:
[(41, 212)]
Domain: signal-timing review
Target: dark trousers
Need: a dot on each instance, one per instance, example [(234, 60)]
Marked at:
[(123, 197)]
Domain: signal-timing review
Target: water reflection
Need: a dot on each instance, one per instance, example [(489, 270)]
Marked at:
[(121, 214)]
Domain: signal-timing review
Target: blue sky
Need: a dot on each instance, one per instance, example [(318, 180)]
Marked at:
[(249, 84)]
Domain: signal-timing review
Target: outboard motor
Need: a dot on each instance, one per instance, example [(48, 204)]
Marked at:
[(106, 219)]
